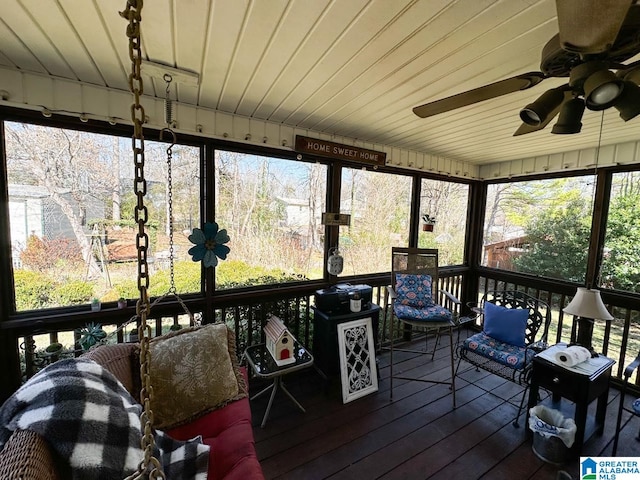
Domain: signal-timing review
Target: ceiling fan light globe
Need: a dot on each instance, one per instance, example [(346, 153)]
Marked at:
[(605, 94), (602, 89)]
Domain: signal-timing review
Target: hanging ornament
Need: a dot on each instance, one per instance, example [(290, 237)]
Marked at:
[(209, 244)]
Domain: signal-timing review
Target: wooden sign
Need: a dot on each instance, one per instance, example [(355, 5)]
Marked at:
[(336, 219), (325, 148)]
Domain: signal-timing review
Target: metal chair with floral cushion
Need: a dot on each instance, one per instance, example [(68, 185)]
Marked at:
[(515, 328), (413, 293)]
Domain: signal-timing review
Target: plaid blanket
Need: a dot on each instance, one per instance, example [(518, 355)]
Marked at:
[(88, 417)]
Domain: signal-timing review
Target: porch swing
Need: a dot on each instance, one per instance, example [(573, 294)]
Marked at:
[(192, 393)]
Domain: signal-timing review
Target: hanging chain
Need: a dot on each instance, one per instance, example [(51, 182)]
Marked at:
[(169, 121), (172, 289), (149, 467), (168, 110)]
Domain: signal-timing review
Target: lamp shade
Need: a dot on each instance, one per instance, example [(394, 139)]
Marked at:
[(587, 303)]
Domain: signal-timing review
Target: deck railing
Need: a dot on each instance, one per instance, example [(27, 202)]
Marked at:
[(247, 314)]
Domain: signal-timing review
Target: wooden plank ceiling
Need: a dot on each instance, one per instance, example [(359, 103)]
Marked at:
[(351, 68)]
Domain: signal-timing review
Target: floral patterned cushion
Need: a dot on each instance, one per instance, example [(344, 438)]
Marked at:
[(414, 290), (510, 355), (636, 406), (193, 372), (433, 313)]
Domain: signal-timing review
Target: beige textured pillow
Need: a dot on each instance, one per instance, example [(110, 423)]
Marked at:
[(193, 371)]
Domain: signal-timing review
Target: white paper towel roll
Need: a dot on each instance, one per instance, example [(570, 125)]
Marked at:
[(573, 355)]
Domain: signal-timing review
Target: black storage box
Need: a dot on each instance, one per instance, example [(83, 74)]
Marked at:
[(335, 300)]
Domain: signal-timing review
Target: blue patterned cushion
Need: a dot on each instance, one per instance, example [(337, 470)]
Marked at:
[(636, 406), (510, 355), (414, 290), (433, 313)]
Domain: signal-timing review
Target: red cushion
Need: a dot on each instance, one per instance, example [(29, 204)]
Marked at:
[(229, 433)]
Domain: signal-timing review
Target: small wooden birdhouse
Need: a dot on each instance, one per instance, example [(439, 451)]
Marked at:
[(279, 341)]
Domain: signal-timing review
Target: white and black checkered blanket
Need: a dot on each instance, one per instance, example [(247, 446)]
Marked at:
[(89, 418)]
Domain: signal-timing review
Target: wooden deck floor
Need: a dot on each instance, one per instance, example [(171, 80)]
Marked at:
[(417, 435)]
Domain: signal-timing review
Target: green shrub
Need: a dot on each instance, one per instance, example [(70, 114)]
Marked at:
[(76, 292), (236, 273), (33, 290), (125, 289), (186, 276)]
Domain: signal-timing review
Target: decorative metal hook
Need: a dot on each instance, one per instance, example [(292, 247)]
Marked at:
[(173, 137)]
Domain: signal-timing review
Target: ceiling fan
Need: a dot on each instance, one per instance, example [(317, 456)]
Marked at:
[(595, 37)]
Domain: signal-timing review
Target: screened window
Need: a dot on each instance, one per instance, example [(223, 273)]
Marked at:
[(446, 203), (621, 259), (540, 227), (380, 206), (71, 205), (272, 209)]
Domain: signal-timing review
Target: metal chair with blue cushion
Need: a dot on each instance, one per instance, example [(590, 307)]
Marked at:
[(509, 338), (413, 293), (633, 408)]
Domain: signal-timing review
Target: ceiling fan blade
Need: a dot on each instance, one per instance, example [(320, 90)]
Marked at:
[(526, 128), (493, 90), (590, 26)]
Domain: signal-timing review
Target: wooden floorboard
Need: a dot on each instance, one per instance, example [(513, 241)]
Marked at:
[(417, 435)]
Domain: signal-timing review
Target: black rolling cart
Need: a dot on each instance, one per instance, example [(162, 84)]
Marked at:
[(325, 336)]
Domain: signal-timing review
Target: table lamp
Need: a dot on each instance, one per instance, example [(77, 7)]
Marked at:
[(587, 305)]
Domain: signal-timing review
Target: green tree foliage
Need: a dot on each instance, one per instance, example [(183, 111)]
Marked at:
[(557, 238), (548, 222), (557, 233), (620, 268)]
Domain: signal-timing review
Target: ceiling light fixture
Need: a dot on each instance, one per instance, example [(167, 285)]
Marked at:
[(537, 112), (570, 118), (628, 103), (601, 90)]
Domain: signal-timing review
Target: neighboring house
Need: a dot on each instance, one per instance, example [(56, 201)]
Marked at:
[(297, 212), (33, 212), (297, 221)]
